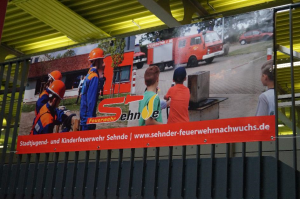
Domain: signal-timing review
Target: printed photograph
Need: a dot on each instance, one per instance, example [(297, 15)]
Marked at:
[(65, 88), (213, 69), (216, 69)]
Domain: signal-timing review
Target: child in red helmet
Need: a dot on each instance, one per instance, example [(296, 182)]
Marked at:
[(48, 116), (44, 96), (54, 75)]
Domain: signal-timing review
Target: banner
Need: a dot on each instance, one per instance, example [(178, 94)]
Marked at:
[(203, 83), (205, 132)]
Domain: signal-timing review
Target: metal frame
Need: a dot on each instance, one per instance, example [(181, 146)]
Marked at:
[(292, 54), (102, 172), (288, 51)]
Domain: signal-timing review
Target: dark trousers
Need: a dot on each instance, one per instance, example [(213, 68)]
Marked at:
[(87, 127), (101, 94), (78, 95)]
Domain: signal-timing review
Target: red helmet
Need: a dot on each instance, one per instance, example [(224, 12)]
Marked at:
[(96, 53), (58, 88), (55, 75)]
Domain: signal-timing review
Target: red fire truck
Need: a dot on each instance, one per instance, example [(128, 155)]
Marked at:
[(189, 49)]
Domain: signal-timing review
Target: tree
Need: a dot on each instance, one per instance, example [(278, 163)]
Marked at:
[(59, 56), (116, 49), (117, 55), (69, 53), (165, 34), (48, 56), (106, 45)]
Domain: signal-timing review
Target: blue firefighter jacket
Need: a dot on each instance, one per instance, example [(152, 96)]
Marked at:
[(89, 96)]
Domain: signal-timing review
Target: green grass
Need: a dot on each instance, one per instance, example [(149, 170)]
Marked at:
[(256, 47), (28, 107), (70, 104)]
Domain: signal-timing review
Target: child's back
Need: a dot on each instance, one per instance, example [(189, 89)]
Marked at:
[(180, 97), (151, 102), (147, 102)]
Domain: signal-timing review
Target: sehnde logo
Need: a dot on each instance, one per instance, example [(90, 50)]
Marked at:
[(117, 114)]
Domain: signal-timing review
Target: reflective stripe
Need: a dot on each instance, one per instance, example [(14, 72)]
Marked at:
[(92, 75), (36, 121), (44, 93), (44, 120)]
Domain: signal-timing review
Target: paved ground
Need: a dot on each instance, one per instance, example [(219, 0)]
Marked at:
[(235, 77)]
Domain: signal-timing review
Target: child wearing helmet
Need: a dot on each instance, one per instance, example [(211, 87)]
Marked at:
[(44, 96), (48, 115), (54, 75), (90, 89)]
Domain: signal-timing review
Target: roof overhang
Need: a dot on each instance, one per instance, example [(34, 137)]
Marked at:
[(62, 19)]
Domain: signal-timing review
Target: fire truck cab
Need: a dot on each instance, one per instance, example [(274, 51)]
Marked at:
[(191, 49)]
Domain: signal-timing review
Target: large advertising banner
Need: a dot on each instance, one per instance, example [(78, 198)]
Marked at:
[(203, 83)]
